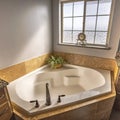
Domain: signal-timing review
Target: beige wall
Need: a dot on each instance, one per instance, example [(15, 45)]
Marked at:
[(25, 30), (114, 37)]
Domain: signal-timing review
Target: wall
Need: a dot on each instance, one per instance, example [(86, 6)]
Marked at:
[(25, 30), (114, 37)]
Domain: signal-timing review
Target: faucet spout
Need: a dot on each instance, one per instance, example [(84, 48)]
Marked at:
[(48, 98)]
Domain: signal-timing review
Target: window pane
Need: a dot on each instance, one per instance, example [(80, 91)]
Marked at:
[(75, 36), (102, 23), (91, 7), (67, 24), (96, 20), (78, 23), (104, 7), (90, 37), (78, 8), (101, 38), (67, 36), (90, 23), (67, 9)]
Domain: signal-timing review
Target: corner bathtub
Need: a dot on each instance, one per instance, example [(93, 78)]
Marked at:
[(75, 82)]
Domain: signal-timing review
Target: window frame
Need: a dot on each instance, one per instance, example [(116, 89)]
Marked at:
[(88, 45)]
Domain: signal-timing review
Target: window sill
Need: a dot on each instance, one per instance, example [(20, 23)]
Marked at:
[(86, 46)]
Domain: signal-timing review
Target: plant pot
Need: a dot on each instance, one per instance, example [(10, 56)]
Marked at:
[(57, 66)]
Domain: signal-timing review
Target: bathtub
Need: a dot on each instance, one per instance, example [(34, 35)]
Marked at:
[(75, 82)]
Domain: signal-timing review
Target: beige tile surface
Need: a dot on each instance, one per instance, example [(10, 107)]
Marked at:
[(13, 72)]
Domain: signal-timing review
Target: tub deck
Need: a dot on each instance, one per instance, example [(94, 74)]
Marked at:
[(81, 95)]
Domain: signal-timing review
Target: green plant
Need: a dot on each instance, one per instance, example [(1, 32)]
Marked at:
[(55, 60)]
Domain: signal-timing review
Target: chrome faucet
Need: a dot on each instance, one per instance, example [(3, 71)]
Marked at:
[(48, 98)]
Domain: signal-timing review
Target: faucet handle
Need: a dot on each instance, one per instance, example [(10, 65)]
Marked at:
[(59, 98), (36, 103)]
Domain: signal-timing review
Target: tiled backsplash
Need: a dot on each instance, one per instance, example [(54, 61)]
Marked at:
[(13, 72), (90, 61)]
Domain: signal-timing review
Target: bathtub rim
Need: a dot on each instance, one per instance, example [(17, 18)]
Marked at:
[(86, 99), (24, 115)]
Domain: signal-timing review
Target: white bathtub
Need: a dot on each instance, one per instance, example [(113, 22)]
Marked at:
[(75, 82)]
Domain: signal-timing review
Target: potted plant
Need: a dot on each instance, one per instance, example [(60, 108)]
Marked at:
[(56, 61)]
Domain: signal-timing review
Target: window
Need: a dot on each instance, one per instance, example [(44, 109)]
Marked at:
[(90, 17)]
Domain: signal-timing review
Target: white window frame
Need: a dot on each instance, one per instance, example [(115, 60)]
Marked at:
[(98, 46)]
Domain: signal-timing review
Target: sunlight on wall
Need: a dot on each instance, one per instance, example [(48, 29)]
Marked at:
[(25, 30)]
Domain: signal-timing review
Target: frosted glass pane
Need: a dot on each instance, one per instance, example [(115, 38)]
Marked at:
[(75, 35), (67, 9), (78, 8), (104, 7), (78, 23), (102, 23), (67, 36), (90, 37), (90, 23), (101, 38), (91, 7), (67, 24)]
